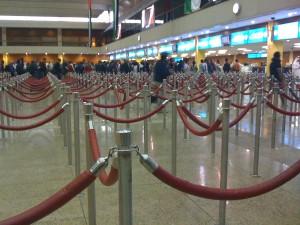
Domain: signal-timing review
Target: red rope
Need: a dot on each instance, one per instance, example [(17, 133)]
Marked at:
[(105, 179), (122, 104), (227, 194), (282, 111), (96, 96), (290, 99), (33, 115), (54, 202), (210, 130), (28, 127), (116, 120), (31, 101)]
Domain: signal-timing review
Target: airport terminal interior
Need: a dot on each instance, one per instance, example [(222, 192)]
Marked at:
[(90, 142)]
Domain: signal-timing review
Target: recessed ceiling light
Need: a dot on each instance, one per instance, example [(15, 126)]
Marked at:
[(227, 27), (253, 21)]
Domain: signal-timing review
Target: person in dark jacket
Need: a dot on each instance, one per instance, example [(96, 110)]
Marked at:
[(125, 68), (226, 66), (20, 67), (161, 72), (276, 71)]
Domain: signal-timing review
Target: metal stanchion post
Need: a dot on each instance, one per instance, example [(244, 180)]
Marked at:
[(115, 108), (123, 141), (292, 86), (138, 99), (273, 134), (264, 87), (65, 119), (257, 132), (2, 107), (69, 128), (237, 110), (106, 95), (224, 158), (284, 105), (76, 122), (251, 96), (88, 113), (165, 108), (62, 118), (127, 106), (212, 116), (146, 127), (174, 132), (7, 106), (186, 83)]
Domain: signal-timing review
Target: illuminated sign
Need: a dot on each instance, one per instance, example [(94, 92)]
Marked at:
[(112, 57), (186, 46), (166, 48), (257, 35), (155, 51), (131, 54), (203, 43), (123, 55), (210, 42), (140, 53), (286, 31), (118, 56), (257, 55), (215, 41), (239, 38)]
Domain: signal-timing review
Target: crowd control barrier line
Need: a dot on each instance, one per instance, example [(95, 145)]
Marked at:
[(134, 120), (40, 89), (210, 130), (54, 202), (194, 118), (82, 90), (34, 98), (112, 177), (282, 111), (33, 115), (87, 95), (23, 93), (30, 101), (227, 194), (296, 100), (240, 116), (113, 105), (230, 93), (28, 127), (205, 96)]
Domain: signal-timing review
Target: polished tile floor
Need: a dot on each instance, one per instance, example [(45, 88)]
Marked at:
[(33, 165)]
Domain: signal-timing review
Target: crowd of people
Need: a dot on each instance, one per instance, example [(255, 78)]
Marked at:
[(61, 68)]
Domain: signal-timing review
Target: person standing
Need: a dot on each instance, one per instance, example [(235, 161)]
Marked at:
[(296, 67), (276, 71), (161, 72), (226, 66)]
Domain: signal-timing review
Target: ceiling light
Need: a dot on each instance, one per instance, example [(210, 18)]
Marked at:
[(184, 54), (253, 22), (227, 27), (264, 47), (194, 54), (241, 49), (166, 41), (212, 51), (174, 55), (247, 50), (190, 35), (177, 38)]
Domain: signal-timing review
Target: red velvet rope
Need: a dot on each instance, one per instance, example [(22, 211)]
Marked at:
[(290, 99), (34, 98), (82, 90), (112, 106), (30, 101), (203, 100), (54, 202), (282, 111), (33, 115), (28, 127), (238, 106), (240, 117), (194, 118), (227, 194), (96, 96), (87, 94), (210, 130), (105, 179), (196, 98), (30, 93), (116, 120)]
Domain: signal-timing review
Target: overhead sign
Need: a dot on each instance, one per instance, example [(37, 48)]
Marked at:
[(166, 48), (140, 53), (112, 57), (186, 46), (239, 38), (286, 31), (257, 35), (210, 42), (257, 55), (131, 54)]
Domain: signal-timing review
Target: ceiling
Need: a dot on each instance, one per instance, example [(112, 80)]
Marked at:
[(64, 8)]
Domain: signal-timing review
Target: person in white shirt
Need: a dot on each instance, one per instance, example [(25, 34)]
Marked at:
[(296, 67)]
